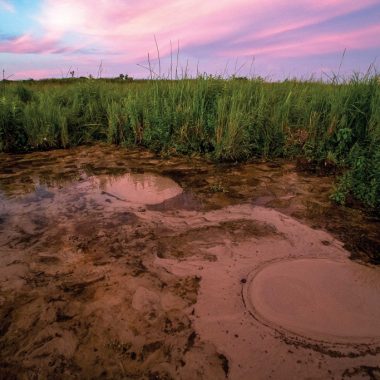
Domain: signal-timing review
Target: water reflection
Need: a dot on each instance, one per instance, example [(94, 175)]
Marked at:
[(140, 187), (146, 188)]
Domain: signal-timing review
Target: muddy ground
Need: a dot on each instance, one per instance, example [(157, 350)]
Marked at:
[(97, 284)]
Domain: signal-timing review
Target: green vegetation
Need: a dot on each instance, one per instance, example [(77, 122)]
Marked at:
[(329, 125)]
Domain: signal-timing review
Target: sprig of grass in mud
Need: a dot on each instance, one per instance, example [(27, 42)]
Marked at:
[(227, 119), (218, 187)]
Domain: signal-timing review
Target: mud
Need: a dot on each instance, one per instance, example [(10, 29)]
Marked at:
[(120, 264), (316, 298)]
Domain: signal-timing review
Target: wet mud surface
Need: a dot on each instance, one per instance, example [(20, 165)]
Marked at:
[(120, 264)]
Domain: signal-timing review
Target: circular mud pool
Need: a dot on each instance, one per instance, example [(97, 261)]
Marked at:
[(142, 188), (320, 299)]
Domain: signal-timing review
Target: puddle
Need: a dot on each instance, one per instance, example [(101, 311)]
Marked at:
[(145, 188), (317, 298)]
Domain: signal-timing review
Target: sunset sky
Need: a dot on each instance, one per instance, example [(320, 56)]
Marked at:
[(45, 38)]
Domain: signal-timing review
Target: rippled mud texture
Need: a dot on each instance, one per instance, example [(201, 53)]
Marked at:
[(100, 282)]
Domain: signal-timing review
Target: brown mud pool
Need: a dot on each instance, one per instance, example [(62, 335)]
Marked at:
[(118, 264)]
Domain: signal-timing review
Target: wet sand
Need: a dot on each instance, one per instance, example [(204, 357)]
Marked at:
[(119, 264)]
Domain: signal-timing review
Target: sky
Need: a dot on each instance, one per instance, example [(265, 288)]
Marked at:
[(275, 39)]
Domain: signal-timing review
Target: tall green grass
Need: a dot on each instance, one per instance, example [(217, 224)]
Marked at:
[(327, 124)]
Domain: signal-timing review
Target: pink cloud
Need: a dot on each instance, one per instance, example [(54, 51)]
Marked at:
[(27, 44), (127, 28), (314, 13), (130, 29), (320, 44), (122, 31)]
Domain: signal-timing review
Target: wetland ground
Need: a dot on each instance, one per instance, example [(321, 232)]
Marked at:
[(117, 263)]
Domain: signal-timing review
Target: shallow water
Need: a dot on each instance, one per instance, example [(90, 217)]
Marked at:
[(143, 188), (205, 186), (120, 263)]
